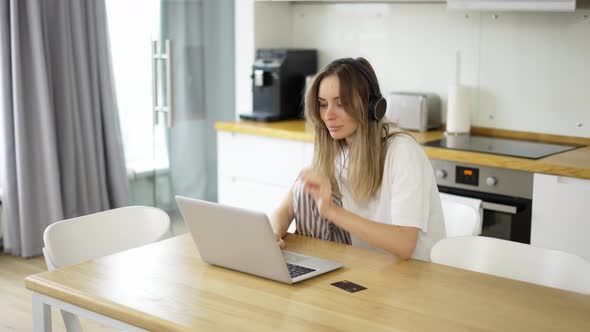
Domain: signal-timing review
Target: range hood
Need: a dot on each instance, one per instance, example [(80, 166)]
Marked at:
[(518, 5)]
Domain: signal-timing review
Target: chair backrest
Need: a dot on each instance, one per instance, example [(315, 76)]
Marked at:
[(463, 215), (75, 240), (514, 260)]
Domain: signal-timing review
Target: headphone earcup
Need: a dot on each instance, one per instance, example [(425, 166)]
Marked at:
[(377, 108)]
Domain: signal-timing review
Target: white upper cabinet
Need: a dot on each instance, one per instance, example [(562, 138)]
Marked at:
[(513, 5), (409, 1)]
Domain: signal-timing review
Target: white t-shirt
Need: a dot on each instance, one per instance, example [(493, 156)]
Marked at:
[(408, 195)]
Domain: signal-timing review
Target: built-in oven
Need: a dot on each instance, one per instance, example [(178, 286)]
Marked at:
[(506, 195)]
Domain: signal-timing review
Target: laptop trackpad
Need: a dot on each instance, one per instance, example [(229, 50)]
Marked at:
[(293, 258)]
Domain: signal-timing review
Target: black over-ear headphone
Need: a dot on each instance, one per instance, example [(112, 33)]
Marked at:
[(377, 104)]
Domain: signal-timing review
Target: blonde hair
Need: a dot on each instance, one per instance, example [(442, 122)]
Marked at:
[(367, 151)]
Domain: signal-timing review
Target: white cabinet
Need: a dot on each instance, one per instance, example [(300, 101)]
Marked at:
[(250, 195), (259, 159), (561, 214), (307, 154), (359, 1), (256, 172)]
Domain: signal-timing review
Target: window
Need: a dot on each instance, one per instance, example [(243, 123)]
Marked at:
[(133, 24)]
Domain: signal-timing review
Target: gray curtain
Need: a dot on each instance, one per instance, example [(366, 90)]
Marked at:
[(63, 155)]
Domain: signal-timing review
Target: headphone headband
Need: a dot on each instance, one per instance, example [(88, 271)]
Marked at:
[(358, 65), (377, 104)]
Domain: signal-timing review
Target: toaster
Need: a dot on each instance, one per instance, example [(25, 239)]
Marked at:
[(414, 110)]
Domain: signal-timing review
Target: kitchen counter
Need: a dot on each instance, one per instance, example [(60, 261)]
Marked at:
[(573, 163)]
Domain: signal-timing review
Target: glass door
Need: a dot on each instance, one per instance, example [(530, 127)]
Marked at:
[(180, 112), (158, 64)]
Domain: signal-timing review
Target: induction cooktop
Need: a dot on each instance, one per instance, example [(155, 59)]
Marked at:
[(500, 146)]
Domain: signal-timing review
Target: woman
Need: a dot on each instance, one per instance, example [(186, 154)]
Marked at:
[(368, 185)]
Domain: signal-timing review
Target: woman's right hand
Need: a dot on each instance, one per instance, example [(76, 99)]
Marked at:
[(282, 217), (280, 241), (319, 187)]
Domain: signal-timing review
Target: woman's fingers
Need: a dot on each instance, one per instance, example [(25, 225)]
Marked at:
[(311, 187), (315, 184), (310, 175), (319, 187), (281, 243), (312, 180)]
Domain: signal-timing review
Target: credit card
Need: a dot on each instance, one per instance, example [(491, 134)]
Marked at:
[(348, 286)]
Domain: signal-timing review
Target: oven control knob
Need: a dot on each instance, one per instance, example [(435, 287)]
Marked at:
[(491, 181), (441, 173)]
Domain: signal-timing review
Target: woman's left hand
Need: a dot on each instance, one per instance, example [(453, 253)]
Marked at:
[(319, 187)]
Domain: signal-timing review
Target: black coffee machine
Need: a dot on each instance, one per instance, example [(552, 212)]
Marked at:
[(278, 83)]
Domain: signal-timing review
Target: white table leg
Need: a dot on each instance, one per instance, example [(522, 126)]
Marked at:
[(41, 314), (71, 322), (42, 305)]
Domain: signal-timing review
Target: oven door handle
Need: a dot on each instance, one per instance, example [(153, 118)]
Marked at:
[(499, 207)]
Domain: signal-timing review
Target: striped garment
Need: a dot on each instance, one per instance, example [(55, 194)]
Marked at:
[(309, 223)]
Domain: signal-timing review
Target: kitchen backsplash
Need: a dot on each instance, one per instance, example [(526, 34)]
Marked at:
[(526, 71)]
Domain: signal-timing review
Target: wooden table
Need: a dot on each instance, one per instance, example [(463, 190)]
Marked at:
[(166, 287)]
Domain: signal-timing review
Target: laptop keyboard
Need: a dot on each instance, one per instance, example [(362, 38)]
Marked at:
[(298, 270)]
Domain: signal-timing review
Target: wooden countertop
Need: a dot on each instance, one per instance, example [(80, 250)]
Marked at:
[(574, 163), (292, 129), (166, 286)]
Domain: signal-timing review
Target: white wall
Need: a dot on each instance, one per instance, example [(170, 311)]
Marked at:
[(527, 71), (243, 54)]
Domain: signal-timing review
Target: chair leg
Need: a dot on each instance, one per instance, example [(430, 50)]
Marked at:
[(71, 322), (41, 315)]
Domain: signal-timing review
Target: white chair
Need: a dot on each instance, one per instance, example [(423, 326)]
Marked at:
[(514, 260), (76, 240), (463, 215)]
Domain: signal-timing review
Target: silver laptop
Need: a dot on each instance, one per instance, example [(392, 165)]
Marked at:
[(243, 240)]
